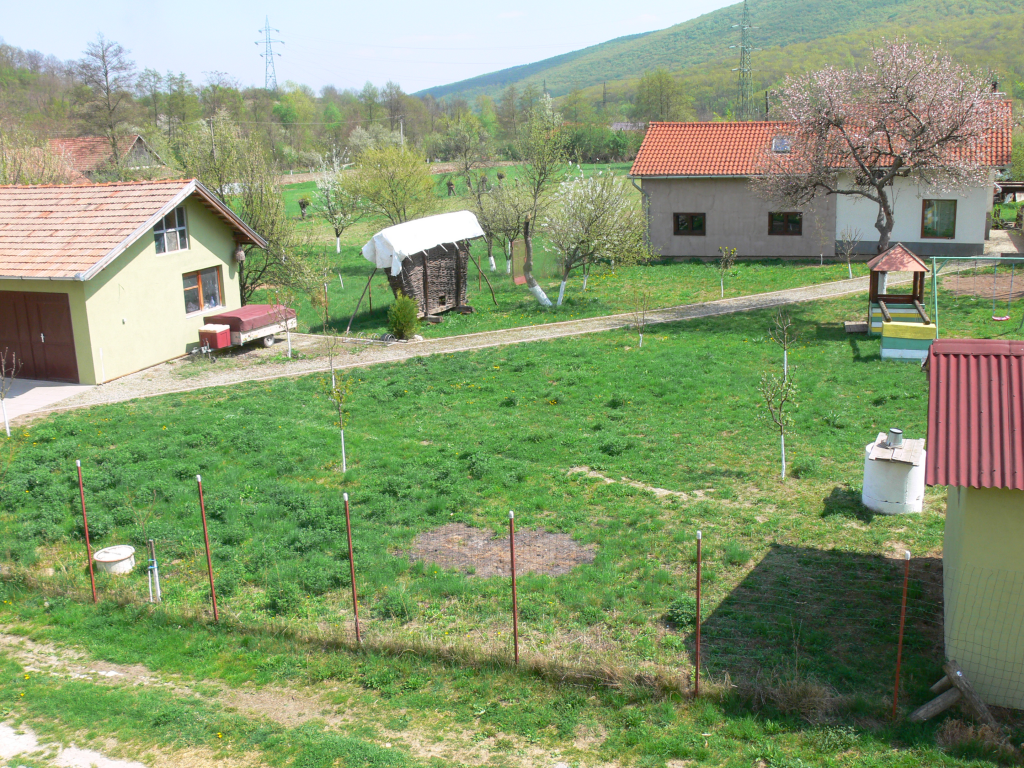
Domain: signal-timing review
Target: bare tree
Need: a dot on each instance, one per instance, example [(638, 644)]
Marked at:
[(640, 295), (910, 113), (110, 75), (849, 239), (9, 367), (726, 261), (504, 212), (779, 397), (784, 333)]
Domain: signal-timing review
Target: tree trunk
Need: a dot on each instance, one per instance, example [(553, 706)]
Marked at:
[(508, 258), (7, 426), (337, 243), (785, 365), (490, 252), (885, 222), (782, 438), (531, 283), (721, 283), (561, 290)]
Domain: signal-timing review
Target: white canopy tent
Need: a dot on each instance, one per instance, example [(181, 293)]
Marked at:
[(390, 246)]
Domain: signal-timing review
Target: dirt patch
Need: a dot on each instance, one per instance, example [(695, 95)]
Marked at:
[(477, 552), (661, 493), (981, 283)]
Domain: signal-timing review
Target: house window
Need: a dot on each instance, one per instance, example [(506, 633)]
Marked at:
[(788, 223), (170, 234), (688, 223), (202, 290), (938, 219)]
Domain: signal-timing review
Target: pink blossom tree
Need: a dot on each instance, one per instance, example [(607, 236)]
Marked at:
[(910, 112)]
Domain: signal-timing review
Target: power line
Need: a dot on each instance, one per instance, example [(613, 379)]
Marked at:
[(271, 77), (746, 83)]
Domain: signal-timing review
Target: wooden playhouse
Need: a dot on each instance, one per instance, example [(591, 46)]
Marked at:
[(907, 331), (428, 259)]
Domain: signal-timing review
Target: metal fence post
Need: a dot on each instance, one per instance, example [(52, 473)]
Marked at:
[(85, 525), (696, 673), (899, 645), (352, 569), (515, 604), (206, 537)]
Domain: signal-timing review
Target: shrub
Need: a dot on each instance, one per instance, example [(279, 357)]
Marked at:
[(682, 612), (403, 316)]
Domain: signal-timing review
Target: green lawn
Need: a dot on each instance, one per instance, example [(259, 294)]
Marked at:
[(800, 584)]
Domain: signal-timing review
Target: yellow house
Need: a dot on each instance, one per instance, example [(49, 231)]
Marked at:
[(101, 280), (976, 448)]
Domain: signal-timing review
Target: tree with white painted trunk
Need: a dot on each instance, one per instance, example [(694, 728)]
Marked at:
[(9, 367), (338, 389), (849, 239), (783, 331), (726, 261), (594, 221), (779, 398), (640, 297), (503, 212), (542, 147), (337, 198)]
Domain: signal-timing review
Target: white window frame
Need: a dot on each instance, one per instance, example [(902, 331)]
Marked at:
[(160, 230)]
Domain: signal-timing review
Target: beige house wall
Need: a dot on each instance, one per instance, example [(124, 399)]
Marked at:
[(983, 578), (736, 218), (132, 314)]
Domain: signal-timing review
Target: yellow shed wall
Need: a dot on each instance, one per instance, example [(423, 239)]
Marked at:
[(79, 318), (136, 305), (983, 584)]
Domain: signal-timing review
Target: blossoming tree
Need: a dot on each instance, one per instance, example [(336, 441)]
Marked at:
[(910, 112)]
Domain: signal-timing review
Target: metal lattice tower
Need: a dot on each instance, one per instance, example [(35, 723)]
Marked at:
[(268, 55), (747, 110)]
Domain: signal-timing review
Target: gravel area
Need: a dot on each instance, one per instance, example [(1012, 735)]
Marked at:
[(261, 364)]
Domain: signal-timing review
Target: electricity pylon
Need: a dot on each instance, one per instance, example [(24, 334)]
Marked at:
[(747, 110), (268, 55)]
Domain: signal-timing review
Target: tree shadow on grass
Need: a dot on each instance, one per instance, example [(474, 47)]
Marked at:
[(860, 357)]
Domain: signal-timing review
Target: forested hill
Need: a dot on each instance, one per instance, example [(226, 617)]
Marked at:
[(779, 23)]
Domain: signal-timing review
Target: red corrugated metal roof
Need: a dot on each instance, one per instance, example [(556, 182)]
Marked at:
[(899, 258), (976, 414)]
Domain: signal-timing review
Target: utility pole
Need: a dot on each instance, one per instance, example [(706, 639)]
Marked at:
[(747, 110), (268, 55)]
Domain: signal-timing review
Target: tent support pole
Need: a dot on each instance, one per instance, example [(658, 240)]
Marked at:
[(477, 262), (349, 328)]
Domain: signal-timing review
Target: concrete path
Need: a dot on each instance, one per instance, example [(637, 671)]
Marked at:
[(162, 379), (28, 395)]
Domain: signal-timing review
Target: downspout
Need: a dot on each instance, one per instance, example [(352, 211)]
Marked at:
[(646, 203)]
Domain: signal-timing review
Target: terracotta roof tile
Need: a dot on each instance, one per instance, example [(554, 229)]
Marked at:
[(976, 413), (61, 232)]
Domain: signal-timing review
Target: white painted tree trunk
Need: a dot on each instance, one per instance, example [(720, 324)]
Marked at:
[(342, 281), (337, 244), (561, 292), (782, 437), (7, 426), (849, 267), (344, 464), (288, 335), (585, 276), (722, 283), (641, 341), (508, 258), (785, 364), (494, 267), (538, 293)]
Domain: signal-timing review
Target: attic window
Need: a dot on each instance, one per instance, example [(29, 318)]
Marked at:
[(170, 233), (780, 144)]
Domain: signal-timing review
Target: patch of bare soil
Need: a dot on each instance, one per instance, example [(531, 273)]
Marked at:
[(480, 553), (982, 282), (661, 493)]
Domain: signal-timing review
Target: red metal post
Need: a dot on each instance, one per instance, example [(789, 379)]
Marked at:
[(515, 603), (696, 671), (85, 525), (899, 645), (352, 569), (206, 537)]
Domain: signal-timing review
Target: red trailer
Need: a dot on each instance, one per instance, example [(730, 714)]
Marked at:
[(251, 322)]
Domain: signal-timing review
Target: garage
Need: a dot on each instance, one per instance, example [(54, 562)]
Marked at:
[(37, 328)]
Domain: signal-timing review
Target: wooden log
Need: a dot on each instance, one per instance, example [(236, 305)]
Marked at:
[(942, 686), (935, 706), (885, 311), (971, 698), (922, 313)]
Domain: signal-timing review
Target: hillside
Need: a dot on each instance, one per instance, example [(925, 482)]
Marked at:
[(780, 24)]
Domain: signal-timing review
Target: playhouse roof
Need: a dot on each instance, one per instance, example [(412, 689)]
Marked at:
[(899, 258), (975, 413), (387, 248)]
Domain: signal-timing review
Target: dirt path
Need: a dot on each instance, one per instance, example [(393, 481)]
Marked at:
[(289, 707), (162, 379)]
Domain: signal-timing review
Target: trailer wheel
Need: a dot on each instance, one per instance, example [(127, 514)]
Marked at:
[(268, 341)]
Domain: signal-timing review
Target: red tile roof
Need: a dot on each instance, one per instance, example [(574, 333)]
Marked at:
[(90, 153), (899, 258), (704, 149), (976, 414), (71, 232), (738, 149)]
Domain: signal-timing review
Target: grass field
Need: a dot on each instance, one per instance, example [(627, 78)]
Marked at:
[(463, 439)]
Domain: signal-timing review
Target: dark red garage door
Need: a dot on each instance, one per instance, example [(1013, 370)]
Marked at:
[(37, 328)]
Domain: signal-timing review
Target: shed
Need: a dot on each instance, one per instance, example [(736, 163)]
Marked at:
[(427, 259), (976, 449), (885, 307)]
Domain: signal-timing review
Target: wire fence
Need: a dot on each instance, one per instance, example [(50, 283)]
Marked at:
[(857, 623)]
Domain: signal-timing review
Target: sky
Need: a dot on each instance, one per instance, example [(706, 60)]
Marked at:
[(416, 44)]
